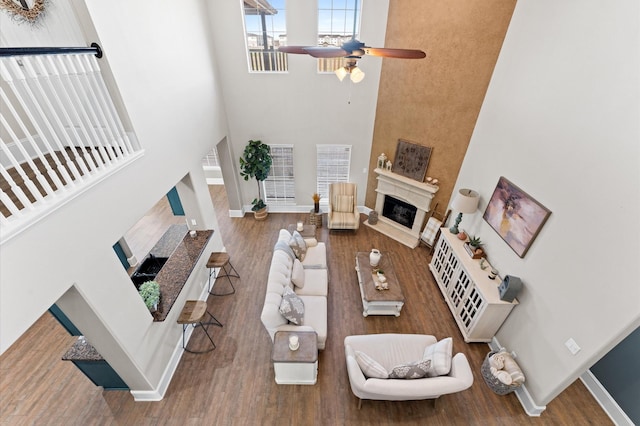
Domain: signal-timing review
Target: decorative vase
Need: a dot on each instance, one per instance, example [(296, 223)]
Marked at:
[(316, 207), (381, 277), (462, 235), (374, 257)]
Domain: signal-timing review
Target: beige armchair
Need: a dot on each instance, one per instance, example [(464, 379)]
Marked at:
[(343, 212)]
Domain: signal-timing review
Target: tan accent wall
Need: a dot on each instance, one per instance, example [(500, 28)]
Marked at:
[(435, 101)]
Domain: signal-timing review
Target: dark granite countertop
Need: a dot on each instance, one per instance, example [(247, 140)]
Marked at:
[(169, 241), (82, 351), (175, 272)]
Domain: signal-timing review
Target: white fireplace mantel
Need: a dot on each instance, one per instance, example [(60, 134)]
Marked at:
[(418, 194)]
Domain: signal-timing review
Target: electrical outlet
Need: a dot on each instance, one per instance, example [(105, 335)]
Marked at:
[(514, 354), (572, 346), (193, 222), (364, 170)]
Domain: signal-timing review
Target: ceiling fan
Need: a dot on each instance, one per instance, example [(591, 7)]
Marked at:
[(353, 50)]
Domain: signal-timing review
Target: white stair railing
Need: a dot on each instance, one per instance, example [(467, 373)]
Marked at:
[(60, 133)]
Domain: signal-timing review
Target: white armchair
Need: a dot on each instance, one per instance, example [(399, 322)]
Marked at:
[(343, 210), (390, 350)]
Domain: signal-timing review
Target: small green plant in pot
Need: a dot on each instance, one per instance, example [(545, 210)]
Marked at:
[(150, 293), (256, 163), (476, 251), (475, 242)]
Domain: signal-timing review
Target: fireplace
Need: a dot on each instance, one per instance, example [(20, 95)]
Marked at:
[(399, 211), (402, 205)]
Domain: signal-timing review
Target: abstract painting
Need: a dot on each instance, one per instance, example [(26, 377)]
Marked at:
[(515, 216), (411, 160)]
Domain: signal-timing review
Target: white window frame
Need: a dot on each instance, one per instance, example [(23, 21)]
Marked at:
[(336, 36), (257, 61), (333, 164), (281, 180)]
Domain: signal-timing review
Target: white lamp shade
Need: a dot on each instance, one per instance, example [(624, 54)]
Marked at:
[(357, 75), (465, 201), (341, 73)]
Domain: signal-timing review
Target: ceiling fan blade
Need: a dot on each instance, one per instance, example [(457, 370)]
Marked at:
[(395, 53), (293, 49), (326, 52)]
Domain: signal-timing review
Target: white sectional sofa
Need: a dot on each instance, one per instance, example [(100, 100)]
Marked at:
[(312, 284)]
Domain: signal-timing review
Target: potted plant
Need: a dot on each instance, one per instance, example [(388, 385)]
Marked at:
[(256, 163), (150, 293), (474, 247)]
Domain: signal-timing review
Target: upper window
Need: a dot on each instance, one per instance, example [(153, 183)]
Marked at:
[(336, 26), (279, 187), (265, 26), (333, 164)]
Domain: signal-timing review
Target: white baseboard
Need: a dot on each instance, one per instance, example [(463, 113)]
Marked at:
[(608, 404), (530, 407), (158, 393), (215, 181), (236, 213)]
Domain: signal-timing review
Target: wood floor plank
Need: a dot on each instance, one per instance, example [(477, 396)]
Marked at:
[(234, 384)]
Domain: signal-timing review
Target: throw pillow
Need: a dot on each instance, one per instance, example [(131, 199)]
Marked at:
[(291, 306), (343, 203), (440, 356), (370, 367), (411, 370), (282, 245), (297, 275), (298, 245)]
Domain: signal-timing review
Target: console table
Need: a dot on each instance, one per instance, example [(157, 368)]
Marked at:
[(472, 297)]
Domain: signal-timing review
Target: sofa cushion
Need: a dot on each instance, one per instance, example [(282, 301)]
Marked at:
[(440, 356), (297, 275), (316, 283), (292, 307), (316, 257), (370, 367), (297, 244), (315, 315), (411, 370), (343, 203)]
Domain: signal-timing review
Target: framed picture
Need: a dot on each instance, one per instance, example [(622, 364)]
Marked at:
[(411, 160), (515, 216)]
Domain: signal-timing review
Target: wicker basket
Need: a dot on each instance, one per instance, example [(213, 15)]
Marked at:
[(492, 381)]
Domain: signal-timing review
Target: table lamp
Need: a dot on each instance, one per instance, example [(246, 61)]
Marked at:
[(465, 201)]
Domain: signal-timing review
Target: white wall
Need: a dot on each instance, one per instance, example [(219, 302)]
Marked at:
[(300, 107), (561, 120), (159, 55)]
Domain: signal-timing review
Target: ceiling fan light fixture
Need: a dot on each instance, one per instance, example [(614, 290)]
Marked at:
[(357, 75), (341, 73)]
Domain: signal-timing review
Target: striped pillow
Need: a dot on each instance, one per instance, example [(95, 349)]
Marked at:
[(440, 355), (371, 367), (343, 203)]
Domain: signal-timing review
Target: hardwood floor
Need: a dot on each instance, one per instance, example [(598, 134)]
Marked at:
[(234, 384)]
